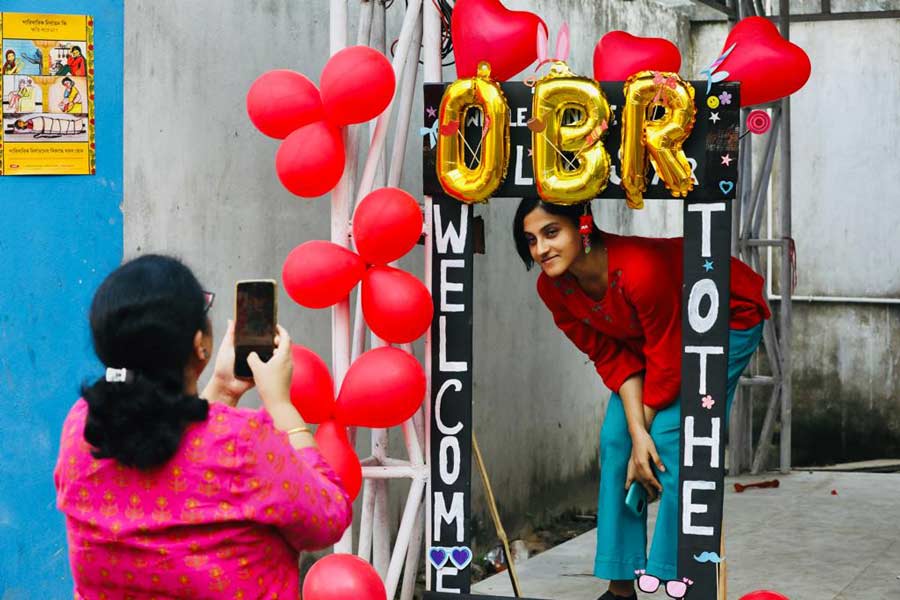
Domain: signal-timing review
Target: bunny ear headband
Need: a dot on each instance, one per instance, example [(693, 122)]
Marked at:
[(562, 45)]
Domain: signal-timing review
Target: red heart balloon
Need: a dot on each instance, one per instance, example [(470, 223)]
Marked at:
[(317, 274), (619, 55), (335, 447), (396, 305), (382, 388), (312, 389), (768, 66), (485, 30), (342, 577)]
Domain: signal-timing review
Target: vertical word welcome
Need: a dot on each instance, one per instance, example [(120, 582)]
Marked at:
[(449, 552)]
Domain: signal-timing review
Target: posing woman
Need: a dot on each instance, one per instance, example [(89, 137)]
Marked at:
[(171, 493), (620, 303)]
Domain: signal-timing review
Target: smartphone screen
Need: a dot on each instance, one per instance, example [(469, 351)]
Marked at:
[(254, 323)]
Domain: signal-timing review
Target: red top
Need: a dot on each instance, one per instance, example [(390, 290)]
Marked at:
[(636, 326)]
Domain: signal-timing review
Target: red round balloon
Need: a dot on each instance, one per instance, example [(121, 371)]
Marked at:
[(383, 388), (485, 30), (343, 577), (768, 66), (317, 274), (387, 224), (281, 101), (312, 389), (310, 161), (396, 305), (764, 595), (335, 447), (619, 55), (357, 85)]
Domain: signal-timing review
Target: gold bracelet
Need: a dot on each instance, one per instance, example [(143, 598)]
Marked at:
[(299, 430)]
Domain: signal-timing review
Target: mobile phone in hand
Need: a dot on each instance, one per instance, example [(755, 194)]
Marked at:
[(636, 499), (255, 315)]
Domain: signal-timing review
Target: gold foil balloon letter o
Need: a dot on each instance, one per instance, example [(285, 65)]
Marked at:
[(571, 164), (480, 93), (657, 139)]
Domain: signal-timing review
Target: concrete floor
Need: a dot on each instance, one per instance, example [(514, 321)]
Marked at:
[(798, 540)]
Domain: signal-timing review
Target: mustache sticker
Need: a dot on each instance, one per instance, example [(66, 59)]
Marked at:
[(707, 557)]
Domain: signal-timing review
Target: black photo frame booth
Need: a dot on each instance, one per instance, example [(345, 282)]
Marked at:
[(712, 149)]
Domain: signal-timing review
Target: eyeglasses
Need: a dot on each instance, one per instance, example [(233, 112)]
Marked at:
[(676, 588), (208, 298)]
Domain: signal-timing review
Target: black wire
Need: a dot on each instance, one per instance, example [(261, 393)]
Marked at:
[(445, 7)]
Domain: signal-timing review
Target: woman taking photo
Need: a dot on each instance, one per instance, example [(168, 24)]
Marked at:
[(170, 493), (618, 298)]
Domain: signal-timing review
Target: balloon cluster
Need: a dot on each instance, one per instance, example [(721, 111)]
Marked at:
[(385, 386), (357, 84), (569, 160)]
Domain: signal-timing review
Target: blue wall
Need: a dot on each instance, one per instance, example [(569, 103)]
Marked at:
[(59, 236)]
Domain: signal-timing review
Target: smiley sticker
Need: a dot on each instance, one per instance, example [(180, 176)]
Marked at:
[(712, 102)]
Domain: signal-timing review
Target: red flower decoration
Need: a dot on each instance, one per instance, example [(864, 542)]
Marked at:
[(93, 146), (91, 22), (92, 121), (91, 71), (91, 47)]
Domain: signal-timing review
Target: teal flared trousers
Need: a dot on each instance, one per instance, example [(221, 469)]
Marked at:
[(621, 535)]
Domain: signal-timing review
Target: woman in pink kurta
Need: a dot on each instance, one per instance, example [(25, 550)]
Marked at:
[(167, 495)]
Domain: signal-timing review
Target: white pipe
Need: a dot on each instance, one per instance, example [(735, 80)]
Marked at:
[(413, 500), (337, 29), (340, 218), (431, 34), (381, 528), (410, 570), (406, 34), (413, 449), (364, 547), (411, 472), (404, 107), (837, 299)]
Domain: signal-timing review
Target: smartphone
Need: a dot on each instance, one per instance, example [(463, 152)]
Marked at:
[(255, 315), (636, 499)]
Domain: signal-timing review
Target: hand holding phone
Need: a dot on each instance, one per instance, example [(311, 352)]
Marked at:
[(273, 377), (636, 499), (255, 315)]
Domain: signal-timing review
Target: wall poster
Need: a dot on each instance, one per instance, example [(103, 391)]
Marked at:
[(47, 92)]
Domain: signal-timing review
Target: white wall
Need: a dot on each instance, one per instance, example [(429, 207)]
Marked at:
[(846, 217)]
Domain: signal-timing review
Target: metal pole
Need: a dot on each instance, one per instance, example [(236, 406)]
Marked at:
[(340, 235), (431, 34), (784, 22)]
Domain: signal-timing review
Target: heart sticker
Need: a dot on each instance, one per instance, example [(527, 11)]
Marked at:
[(438, 557), (726, 187), (460, 556)]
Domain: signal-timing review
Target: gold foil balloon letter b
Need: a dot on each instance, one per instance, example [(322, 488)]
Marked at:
[(657, 139), (490, 155), (571, 164)]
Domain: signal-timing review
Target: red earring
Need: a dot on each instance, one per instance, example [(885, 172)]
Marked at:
[(586, 228)]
